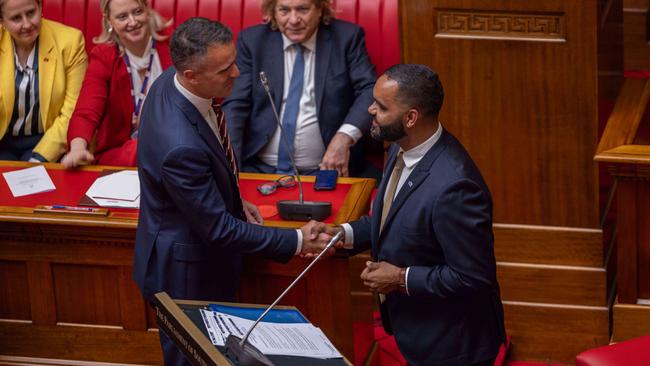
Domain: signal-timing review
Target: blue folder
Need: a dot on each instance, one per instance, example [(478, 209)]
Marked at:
[(273, 316)]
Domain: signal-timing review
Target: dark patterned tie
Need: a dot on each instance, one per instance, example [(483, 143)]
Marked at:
[(222, 128)]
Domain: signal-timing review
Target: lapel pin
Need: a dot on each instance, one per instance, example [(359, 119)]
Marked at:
[(410, 183)]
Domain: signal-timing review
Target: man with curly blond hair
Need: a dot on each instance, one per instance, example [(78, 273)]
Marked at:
[(321, 80)]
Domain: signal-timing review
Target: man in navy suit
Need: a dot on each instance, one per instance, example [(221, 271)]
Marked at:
[(430, 231), (192, 228), (321, 80)]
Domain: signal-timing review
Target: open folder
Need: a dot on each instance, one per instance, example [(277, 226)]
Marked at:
[(114, 188)]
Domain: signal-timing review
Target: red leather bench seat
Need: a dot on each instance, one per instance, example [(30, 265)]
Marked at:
[(379, 18)]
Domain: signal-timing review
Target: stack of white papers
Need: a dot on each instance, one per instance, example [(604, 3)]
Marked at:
[(29, 181), (287, 339), (121, 189)]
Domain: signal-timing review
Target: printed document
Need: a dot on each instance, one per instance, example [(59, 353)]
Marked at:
[(29, 181), (121, 189), (287, 339)]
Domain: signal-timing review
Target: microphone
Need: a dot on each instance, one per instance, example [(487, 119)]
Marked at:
[(245, 354), (300, 210)]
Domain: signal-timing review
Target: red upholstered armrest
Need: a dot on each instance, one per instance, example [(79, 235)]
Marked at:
[(634, 352), (379, 19)]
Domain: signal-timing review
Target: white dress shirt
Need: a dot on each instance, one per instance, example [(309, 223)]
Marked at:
[(308, 144), (411, 159), (204, 106)]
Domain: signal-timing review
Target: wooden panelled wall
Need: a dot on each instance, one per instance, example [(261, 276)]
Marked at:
[(521, 93)]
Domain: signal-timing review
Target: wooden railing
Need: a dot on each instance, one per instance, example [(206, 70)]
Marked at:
[(628, 160), (624, 150)]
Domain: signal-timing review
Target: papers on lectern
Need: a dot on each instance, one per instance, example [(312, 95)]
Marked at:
[(287, 339)]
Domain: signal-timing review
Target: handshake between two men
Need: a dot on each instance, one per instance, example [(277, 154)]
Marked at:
[(380, 277)]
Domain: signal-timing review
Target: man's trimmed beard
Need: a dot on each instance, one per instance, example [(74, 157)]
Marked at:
[(391, 132)]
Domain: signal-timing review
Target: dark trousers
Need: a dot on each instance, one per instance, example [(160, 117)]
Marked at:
[(18, 147)]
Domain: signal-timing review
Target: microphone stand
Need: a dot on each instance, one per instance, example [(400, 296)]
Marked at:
[(245, 354), (300, 210)]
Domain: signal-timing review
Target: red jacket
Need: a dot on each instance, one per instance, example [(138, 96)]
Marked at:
[(105, 106)]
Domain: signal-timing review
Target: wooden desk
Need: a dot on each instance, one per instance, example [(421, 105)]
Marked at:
[(66, 287)]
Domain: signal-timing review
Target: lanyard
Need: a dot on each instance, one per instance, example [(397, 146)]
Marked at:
[(138, 98)]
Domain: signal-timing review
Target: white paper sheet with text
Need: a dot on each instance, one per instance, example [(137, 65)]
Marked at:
[(29, 181), (121, 189), (288, 339)]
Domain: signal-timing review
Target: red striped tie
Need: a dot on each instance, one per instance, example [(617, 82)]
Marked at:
[(222, 126)]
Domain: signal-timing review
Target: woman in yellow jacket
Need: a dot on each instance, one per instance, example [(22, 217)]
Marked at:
[(42, 66)]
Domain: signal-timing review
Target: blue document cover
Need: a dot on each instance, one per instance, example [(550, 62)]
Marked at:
[(274, 316)]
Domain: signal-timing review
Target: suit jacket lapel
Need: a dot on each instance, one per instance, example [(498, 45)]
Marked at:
[(378, 204), (412, 182), (6, 78), (202, 127), (123, 82), (323, 51), (47, 62), (195, 118), (273, 65), (416, 177)]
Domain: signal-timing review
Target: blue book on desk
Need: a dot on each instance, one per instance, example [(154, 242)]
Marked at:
[(273, 316)]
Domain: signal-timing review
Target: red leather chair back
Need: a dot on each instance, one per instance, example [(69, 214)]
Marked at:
[(379, 18)]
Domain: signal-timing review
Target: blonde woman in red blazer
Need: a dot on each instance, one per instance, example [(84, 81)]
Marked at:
[(130, 54)]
